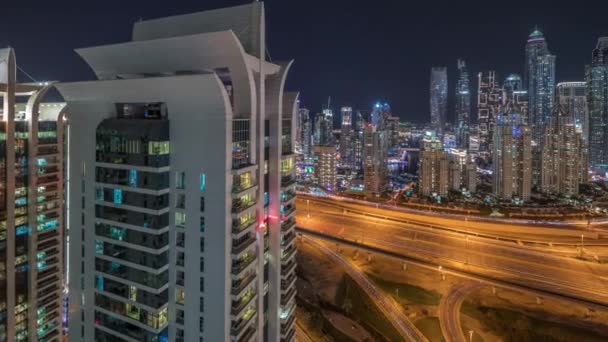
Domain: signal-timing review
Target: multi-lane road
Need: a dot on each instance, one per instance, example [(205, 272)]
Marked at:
[(489, 257), (449, 310), (386, 304)]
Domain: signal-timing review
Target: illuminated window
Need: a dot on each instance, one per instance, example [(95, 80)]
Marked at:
[(180, 296), (203, 182), (117, 196), (180, 219), (133, 178), (158, 148)]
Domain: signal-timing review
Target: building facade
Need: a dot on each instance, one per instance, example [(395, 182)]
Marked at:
[(326, 166), (537, 75), (489, 100), (358, 126), (515, 94), (392, 135), (182, 185), (596, 76), (512, 158), (572, 99), (304, 133), (439, 98), (561, 155), (462, 170), (347, 153), (323, 133), (31, 210), (375, 168), (433, 172), (463, 105), (379, 115)]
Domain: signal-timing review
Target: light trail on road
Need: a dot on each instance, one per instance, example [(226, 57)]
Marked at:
[(449, 310), (387, 305), (511, 263)]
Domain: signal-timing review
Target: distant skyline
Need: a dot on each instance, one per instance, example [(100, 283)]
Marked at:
[(356, 52)]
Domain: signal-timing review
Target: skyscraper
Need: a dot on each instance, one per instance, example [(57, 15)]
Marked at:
[(328, 114), (539, 75), (359, 124), (489, 100), (323, 133), (572, 99), (516, 95), (380, 113), (545, 93), (375, 170), (347, 138), (462, 170), (182, 193), (596, 75), (304, 133), (439, 97), (463, 105), (512, 157), (392, 134), (434, 168), (326, 166), (561, 155), (31, 210)]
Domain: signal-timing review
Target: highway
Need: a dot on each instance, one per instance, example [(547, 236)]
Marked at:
[(502, 229), (498, 260), (389, 307), (302, 335), (449, 310)]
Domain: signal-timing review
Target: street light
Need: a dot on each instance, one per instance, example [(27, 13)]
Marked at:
[(466, 249), (307, 208)]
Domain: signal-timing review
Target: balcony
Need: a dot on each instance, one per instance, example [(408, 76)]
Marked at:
[(238, 327), (238, 188), (243, 335), (288, 224), (240, 265), (47, 282), (287, 211), (287, 268), (290, 337), (47, 179), (238, 286), (288, 196), (287, 181), (239, 227), (239, 205), (288, 296), (287, 254), (239, 306), (288, 281), (242, 244), (288, 324), (288, 238)]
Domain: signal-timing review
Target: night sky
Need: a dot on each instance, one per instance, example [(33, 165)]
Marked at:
[(355, 51)]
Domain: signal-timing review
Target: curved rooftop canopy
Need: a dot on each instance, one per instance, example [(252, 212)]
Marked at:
[(536, 35), (513, 77)]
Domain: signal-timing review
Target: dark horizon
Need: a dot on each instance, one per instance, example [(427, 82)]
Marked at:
[(355, 52)]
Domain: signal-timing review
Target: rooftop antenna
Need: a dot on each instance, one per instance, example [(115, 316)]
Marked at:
[(328, 102)]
